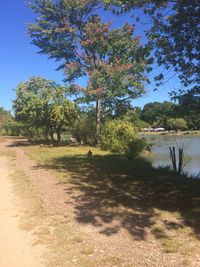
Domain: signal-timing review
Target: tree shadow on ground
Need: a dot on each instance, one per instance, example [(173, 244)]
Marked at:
[(116, 193), (26, 143), (23, 143)]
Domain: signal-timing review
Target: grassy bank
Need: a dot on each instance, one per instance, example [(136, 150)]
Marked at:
[(180, 133), (166, 203)]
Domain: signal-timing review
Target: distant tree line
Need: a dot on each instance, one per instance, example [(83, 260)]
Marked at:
[(42, 110), (185, 113)]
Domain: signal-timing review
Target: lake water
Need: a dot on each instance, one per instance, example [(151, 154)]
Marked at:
[(160, 149)]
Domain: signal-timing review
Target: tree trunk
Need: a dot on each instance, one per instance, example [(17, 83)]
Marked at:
[(51, 134), (180, 164), (58, 136), (176, 168), (99, 103), (173, 157), (46, 134)]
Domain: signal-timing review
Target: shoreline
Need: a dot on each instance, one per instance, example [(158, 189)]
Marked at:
[(181, 133)]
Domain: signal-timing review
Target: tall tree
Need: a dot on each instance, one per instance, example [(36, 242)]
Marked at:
[(43, 104), (112, 60), (175, 34)]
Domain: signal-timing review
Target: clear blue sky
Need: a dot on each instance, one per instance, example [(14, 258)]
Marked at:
[(19, 59)]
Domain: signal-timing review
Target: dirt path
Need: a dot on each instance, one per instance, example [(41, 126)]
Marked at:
[(16, 245)]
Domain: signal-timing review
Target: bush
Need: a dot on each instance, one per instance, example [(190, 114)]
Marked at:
[(136, 147), (121, 137), (13, 128), (83, 130)]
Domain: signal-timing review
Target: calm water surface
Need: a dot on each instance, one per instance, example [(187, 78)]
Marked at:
[(160, 149)]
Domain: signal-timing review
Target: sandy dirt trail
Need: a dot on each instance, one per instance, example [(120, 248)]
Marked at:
[(16, 245)]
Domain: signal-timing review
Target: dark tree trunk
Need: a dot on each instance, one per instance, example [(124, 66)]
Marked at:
[(51, 134), (99, 107), (46, 134), (180, 159), (173, 157), (180, 164), (58, 132)]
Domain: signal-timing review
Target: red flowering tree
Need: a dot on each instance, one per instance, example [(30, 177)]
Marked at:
[(112, 60)]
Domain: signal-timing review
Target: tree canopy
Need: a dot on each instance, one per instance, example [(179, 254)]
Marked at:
[(43, 104), (188, 106), (5, 118), (177, 124), (174, 34), (157, 113), (113, 60)]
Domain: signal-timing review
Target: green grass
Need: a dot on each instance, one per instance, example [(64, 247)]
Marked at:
[(132, 192), (43, 154), (170, 245), (188, 132)]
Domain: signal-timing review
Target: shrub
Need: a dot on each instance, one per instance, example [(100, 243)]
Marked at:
[(136, 147), (22, 129), (83, 130), (13, 128), (121, 137)]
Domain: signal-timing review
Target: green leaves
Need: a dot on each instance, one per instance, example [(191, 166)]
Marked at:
[(116, 136), (156, 113), (188, 106), (5, 119), (174, 35), (73, 32), (120, 136), (112, 60), (177, 124), (43, 103)]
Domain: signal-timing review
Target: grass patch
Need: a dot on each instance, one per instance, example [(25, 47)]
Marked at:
[(131, 192), (62, 232), (170, 245), (159, 232), (121, 184), (7, 153), (77, 239), (44, 156), (87, 250), (113, 260), (180, 133), (33, 214)]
